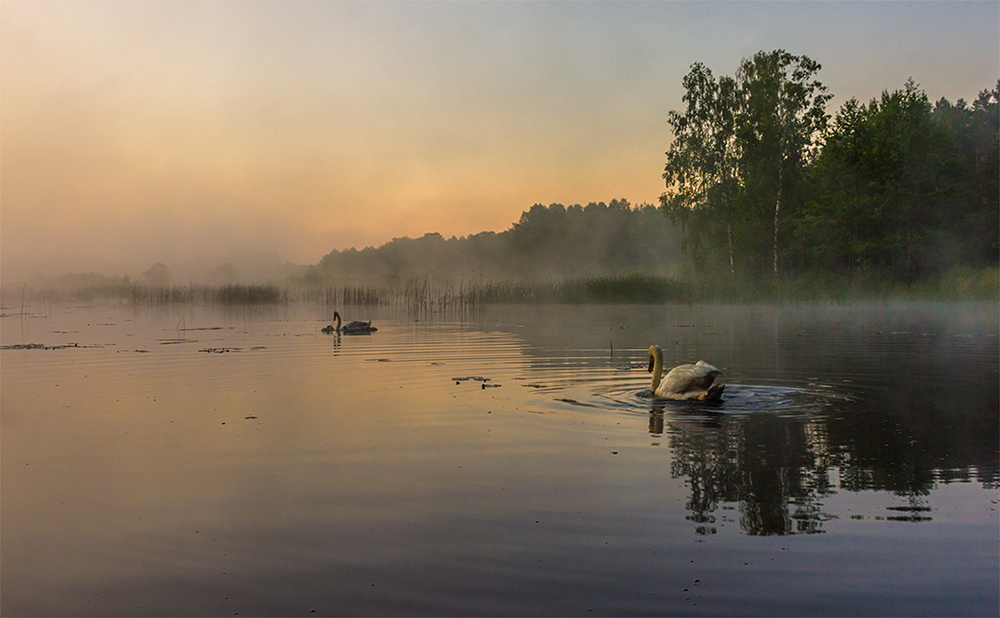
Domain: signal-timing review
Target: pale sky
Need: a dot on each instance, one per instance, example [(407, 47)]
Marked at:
[(137, 132)]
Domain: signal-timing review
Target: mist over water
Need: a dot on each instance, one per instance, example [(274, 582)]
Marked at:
[(194, 460)]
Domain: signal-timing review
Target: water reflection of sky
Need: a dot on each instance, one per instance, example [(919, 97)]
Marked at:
[(264, 467)]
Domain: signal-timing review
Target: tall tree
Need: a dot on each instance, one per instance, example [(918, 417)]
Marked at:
[(700, 173), (784, 115)]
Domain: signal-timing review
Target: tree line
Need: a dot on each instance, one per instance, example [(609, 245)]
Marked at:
[(547, 242), (766, 183)]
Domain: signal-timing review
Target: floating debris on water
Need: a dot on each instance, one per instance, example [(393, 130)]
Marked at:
[(225, 350), (42, 346), (914, 518), (484, 381)]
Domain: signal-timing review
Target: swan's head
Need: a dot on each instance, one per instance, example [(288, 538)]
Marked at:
[(655, 354)]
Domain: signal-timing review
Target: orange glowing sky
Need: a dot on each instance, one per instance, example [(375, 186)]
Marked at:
[(132, 133)]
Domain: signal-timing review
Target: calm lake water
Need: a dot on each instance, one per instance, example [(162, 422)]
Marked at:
[(204, 461)]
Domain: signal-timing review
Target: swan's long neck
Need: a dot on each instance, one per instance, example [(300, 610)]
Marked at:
[(337, 315), (656, 365)]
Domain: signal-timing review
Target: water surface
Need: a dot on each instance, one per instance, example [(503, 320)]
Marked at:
[(201, 461)]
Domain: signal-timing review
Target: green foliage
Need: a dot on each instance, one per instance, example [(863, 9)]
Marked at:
[(738, 157), (635, 288), (890, 191), (905, 190), (701, 172), (963, 283)]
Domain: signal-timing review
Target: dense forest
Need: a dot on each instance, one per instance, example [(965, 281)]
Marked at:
[(548, 242), (766, 184)]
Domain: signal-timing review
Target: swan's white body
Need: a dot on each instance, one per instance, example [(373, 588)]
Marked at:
[(684, 381), (354, 326)]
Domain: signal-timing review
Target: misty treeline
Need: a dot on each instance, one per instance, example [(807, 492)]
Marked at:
[(768, 196), (768, 185), (548, 242)]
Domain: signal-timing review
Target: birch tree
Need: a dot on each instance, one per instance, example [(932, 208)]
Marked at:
[(782, 120), (700, 172)]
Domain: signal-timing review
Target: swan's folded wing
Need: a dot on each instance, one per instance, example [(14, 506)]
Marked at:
[(689, 377), (706, 375)]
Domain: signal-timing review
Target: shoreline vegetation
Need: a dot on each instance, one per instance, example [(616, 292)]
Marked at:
[(959, 284)]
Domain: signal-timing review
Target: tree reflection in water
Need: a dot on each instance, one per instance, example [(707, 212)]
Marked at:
[(779, 468), (775, 467)]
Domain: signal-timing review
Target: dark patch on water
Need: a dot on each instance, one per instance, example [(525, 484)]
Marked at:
[(40, 346), (576, 403)]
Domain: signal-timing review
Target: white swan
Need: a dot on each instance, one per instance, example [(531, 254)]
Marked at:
[(684, 381), (354, 326)]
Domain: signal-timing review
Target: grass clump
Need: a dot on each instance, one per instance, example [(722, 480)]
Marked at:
[(635, 289), (962, 283), (238, 294)]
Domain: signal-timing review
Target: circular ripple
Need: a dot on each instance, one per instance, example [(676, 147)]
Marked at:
[(737, 399)]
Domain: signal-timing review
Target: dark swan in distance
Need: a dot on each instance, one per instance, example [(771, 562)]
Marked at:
[(684, 382), (354, 326)]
